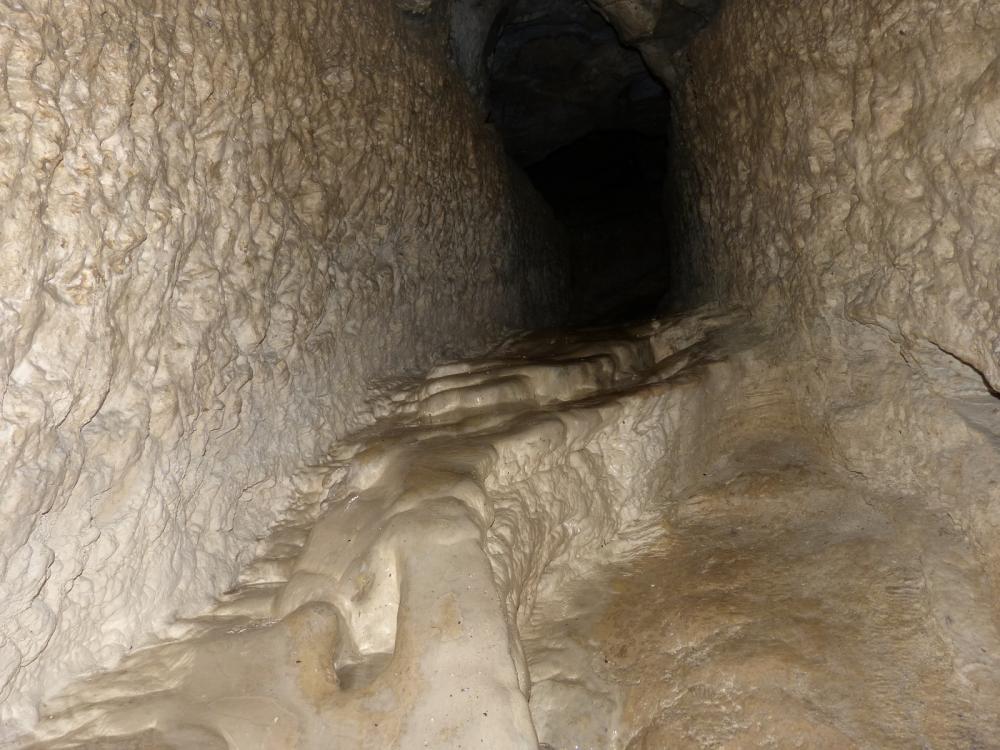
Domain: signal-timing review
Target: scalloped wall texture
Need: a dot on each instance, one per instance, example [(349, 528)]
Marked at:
[(218, 223), (843, 163)]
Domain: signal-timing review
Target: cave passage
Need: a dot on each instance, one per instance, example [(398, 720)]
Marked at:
[(606, 188), (299, 450), (585, 118)]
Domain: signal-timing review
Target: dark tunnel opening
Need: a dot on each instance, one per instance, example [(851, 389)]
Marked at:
[(606, 189), (587, 121)]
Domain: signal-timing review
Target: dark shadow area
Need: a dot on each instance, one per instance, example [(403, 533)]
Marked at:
[(606, 188), (584, 117)]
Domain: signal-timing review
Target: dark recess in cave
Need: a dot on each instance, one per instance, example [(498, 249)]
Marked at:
[(606, 189), (585, 118)]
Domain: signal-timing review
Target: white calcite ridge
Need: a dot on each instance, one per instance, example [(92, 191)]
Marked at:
[(384, 609), (593, 544), (771, 527)]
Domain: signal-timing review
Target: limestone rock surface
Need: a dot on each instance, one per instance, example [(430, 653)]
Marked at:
[(623, 538), (840, 179), (844, 160), (218, 223), (384, 610)]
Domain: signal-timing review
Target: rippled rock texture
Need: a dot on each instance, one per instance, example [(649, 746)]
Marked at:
[(219, 222), (845, 164)]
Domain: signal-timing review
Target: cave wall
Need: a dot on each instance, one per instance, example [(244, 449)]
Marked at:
[(843, 165), (838, 175), (219, 223)]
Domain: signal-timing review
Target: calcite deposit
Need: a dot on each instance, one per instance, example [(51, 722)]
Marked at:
[(384, 611), (218, 223), (236, 518), (581, 541)]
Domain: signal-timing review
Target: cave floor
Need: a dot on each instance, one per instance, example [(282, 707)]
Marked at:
[(638, 525), (785, 606)]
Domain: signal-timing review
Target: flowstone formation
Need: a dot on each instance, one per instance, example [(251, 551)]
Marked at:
[(384, 611), (218, 223), (634, 539), (770, 522)]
